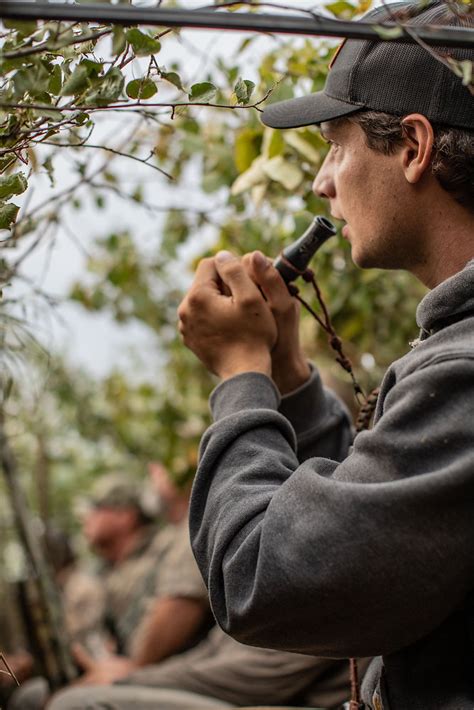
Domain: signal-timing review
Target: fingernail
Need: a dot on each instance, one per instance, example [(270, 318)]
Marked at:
[(261, 261), (222, 256)]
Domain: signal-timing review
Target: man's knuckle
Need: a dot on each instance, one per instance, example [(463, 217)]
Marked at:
[(195, 299), (207, 260), (233, 269), (273, 277), (249, 301), (247, 262)]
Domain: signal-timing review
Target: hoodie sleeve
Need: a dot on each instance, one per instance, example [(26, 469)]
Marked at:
[(352, 558), (322, 424)]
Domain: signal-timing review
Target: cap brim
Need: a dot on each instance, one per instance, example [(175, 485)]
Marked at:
[(306, 111)]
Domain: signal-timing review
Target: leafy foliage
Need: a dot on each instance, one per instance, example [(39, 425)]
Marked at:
[(79, 429), (254, 188)]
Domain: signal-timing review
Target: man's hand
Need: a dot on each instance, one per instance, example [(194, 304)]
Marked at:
[(101, 672), (225, 320), (290, 368)]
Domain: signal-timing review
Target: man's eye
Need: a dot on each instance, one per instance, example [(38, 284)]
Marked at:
[(333, 147)]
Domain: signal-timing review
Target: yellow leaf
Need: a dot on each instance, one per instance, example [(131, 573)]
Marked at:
[(308, 151), (251, 177), (273, 143), (284, 172), (245, 148), (258, 193)]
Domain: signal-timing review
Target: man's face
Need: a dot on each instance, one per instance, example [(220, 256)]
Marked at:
[(368, 191), (103, 525)]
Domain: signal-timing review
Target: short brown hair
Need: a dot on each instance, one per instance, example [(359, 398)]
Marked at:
[(453, 151)]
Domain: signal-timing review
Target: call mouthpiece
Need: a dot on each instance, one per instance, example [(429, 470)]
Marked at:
[(294, 259)]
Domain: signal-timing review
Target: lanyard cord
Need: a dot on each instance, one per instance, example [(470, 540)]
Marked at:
[(367, 404)]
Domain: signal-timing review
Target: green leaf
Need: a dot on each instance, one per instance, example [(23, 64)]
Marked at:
[(119, 40), (31, 80), (341, 8), (23, 28), (6, 162), (9, 127), (77, 82), (203, 92), (141, 88), (246, 148), (82, 77), (463, 69), (48, 166), (173, 78), (106, 89), (273, 143), (388, 32), (80, 118), (142, 44), (467, 71), (100, 202), (47, 110), (8, 214), (55, 82), (243, 90), (12, 185)]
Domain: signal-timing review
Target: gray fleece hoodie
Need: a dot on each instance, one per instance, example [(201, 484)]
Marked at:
[(307, 545)]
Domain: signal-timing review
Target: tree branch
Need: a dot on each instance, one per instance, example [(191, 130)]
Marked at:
[(109, 150), (126, 105), (39, 48)]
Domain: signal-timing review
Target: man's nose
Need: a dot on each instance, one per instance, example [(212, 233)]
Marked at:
[(323, 184)]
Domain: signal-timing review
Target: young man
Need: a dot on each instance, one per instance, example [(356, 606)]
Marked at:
[(306, 544)]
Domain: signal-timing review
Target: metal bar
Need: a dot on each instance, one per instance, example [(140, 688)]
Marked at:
[(210, 19)]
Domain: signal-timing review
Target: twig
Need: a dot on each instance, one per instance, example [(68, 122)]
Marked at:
[(28, 51), (9, 669), (204, 214), (13, 269), (126, 105), (144, 161), (62, 196)]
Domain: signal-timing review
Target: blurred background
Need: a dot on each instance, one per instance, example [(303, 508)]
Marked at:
[(124, 180)]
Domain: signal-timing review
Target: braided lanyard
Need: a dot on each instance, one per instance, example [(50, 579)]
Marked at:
[(367, 404)]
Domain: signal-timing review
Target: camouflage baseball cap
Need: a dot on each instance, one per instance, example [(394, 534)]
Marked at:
[(117, 490)]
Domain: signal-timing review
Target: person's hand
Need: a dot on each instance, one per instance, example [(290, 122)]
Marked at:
[(225, 320), (290, 368), (101, 672)]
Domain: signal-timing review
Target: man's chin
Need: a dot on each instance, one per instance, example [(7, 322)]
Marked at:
[(361, 258), (366, 260)]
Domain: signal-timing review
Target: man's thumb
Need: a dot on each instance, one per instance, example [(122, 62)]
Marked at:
[(222, 257)]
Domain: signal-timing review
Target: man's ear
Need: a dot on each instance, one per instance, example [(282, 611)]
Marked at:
[(417, 147)]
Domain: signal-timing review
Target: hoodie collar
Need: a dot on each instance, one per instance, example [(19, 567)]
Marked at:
[(449, 301)]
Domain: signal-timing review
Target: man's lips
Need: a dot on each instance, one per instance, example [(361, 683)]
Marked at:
[(345, 227)]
